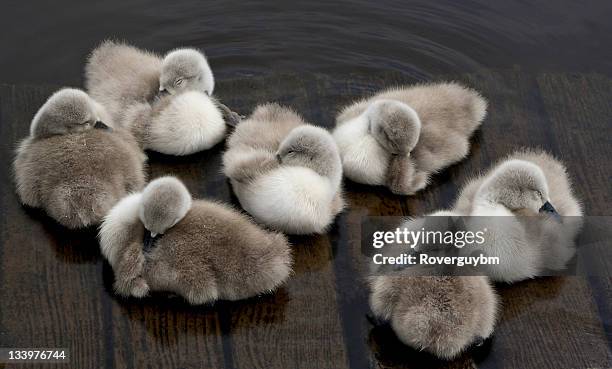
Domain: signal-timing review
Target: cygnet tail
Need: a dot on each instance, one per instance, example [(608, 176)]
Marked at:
[(479, 107), (118, 75), (420, 328), (136, 119), (274, 112), (279, 262), (79, 207), (338, 203), (476, 109), (471, 105)]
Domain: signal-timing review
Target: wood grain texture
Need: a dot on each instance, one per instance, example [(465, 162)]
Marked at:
[(56, 291)]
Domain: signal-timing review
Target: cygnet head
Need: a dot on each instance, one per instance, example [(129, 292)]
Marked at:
[(165, 201), (186, 70), (517, 185), (67, 111), (311, 147), (394, 125)]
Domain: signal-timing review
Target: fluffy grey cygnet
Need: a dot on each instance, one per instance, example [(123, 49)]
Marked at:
[(162, 240), (182, 120), (400, 137), (76, 164), (443, 315), (532, 215), (286, 173)]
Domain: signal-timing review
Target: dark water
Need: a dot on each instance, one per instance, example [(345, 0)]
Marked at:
[(47, 41)]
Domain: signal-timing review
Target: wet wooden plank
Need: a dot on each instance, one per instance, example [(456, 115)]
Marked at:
[(164, 333), (548, 322), (298, 327), (581, 123), (581, 115)]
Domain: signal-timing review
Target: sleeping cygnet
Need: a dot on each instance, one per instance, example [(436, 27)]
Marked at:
[(530, 212), (188, 70), (76, 164), (286, 173), (443, 315), (401, 136), (162, 240), (127, 81)]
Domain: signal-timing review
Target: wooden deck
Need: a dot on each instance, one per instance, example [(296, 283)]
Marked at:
[(55, 288)]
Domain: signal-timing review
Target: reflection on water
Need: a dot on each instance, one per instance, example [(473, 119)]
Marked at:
[(48, 41)]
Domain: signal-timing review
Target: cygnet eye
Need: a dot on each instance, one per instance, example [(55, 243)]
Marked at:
[(81, 125), (178, 82)]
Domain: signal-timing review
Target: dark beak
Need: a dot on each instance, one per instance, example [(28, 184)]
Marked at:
[(548, 208), (160, 94), (101, 125), (375, 321), (278, 158), (148, 241)]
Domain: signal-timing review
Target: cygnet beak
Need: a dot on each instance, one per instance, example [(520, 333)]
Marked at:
[(148, 241), (278, 158), (375, 321), (100, 125), (548, 208), (479, 341), (161, 93)]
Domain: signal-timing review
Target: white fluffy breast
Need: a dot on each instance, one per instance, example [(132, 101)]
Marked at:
[(117, 225), (294, 200), (363, 159), (190, 123)]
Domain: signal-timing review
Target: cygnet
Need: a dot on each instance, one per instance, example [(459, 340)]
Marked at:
[(443, 315), (76, 164), (286, 173), (400, 137), (182, 119), (162, 240), (531, 214)]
